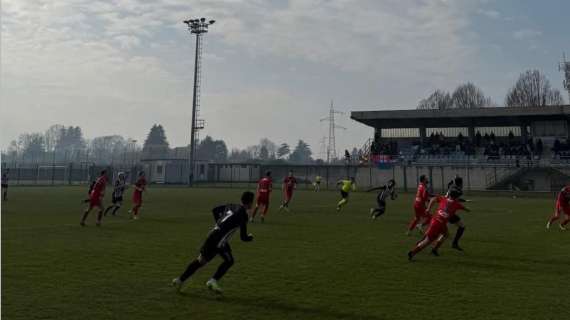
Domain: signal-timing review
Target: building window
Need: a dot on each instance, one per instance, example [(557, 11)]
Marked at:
[(448, 132), (158, 169), (400, 133), (499, 131)]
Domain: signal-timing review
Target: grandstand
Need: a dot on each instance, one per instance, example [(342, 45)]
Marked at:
[(519, 138)]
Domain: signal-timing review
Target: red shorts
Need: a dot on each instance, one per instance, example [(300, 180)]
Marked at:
[(263, 198), (137, 199), (562, 208), (94, 201), (420, 211), (288, 194), (436, 228)]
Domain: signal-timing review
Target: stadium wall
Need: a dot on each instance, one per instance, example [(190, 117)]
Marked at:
[(476, 178)]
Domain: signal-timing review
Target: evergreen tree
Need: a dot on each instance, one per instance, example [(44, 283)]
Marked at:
[(302, 153), (283, 151), (156, 145)]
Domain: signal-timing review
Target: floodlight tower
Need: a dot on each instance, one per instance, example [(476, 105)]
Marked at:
[(197, 27), (331, 147), (565, 67)]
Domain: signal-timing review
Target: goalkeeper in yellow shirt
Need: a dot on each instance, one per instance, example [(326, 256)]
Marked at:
[(346, 186)]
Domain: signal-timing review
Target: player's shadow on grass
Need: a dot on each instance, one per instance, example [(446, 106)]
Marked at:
[(305, 312)]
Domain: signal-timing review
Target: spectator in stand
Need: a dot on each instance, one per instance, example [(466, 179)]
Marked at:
[(478, 139), (539, 147), (556, 147)]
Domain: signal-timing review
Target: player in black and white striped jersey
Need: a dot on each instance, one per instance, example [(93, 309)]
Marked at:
[(386, 190), (119, 188), (229, 218)]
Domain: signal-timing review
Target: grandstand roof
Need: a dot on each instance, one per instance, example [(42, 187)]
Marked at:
[(482, 117)]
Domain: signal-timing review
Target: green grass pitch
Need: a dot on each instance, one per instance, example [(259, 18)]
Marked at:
[(312, 263)]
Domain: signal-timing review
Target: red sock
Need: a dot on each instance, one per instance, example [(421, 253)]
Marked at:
[(421, 245)]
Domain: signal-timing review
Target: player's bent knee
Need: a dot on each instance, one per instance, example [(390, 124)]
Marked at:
[(202, 260)]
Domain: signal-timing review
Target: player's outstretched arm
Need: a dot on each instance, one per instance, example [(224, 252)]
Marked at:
[(393, 195), (432, 202), (374, 189)]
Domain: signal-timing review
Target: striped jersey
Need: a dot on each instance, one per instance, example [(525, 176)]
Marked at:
[(119, 188)]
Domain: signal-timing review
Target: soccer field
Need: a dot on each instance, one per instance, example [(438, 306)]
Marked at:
[(312, 263)]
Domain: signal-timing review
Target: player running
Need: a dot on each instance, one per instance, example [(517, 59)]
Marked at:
[(387, 189), (119, 189), (437, 230), (140, 187), (5, 179), (289, 185), (562, 206), (96, 198), (91, 185), (457, 183), (264, 188), (420, 212), (346, 186), (228, 219), (318, 183)]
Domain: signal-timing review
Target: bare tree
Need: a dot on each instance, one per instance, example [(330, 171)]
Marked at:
[(468, 96), (533, 89), (269, 148), (53, 136), (438, 100)]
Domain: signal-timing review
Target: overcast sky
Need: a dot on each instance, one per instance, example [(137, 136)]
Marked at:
[(271, 68)]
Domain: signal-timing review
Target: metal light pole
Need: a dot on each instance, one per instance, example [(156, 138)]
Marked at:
[(197, 27)]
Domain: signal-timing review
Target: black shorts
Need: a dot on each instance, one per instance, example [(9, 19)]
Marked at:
[(117, 200), (381, 204), (210, 249), (344, 194), (4, 186), (454, 219), (318, 182)]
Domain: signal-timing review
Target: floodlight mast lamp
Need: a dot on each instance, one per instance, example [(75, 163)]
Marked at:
[(197, 27)]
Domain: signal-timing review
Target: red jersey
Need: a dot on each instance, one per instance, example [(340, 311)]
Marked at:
[(562, 198), (264, 185), (99, 186), (140, 184), (290, 182), (422, 196), (447, 208)]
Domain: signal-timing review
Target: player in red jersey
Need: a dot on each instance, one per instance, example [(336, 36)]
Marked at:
[(562, 206), (448, 206), (264, 188), (140, 187), (289, 185), (420, 212), (96, 198)]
